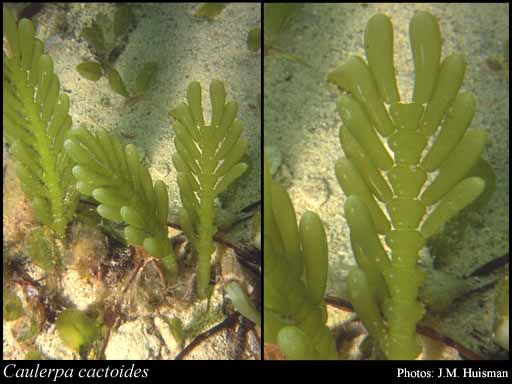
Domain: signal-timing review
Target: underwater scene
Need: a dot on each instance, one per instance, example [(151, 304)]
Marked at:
[(386, 187), (131, 181), (139, 138)]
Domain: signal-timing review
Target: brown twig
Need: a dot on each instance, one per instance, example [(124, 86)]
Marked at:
[(24, 278), (244, 327), (421, 329), (228, 322), (339, 303), (492, 265)]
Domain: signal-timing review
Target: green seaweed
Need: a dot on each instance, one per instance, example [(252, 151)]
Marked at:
[(201, 320), (254, 39), (42, 250), (123, 20), (114, 176), (36, 120), (105, 35), (12, 306), (34, 355), (242, 302), (210, 10), (145, 77), (441, 288), (90, 70), (76, 329), (117, 83), (295, 278), (277, 17), (384, 286), (207, 159), (176, 327), (445, 245), (94, 36), (106, 38)]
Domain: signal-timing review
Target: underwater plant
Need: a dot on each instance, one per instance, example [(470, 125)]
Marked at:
[(295, 278), (242, 302), (34, 355), (106, 36), (209, 10), (36, 120), (12, 306), (254, 39), (76, 329), (42, 250), (207, 159), (123, 186), (393, 148), (277, 17)]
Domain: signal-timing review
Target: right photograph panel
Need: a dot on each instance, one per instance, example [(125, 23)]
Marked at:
[(386, 206)]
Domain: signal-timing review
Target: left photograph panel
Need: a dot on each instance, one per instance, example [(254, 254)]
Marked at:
[(132, 181)]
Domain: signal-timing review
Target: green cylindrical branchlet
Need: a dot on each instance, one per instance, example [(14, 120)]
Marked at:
[(315, 255), (355, 77), (426, 52), (378, 43)]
